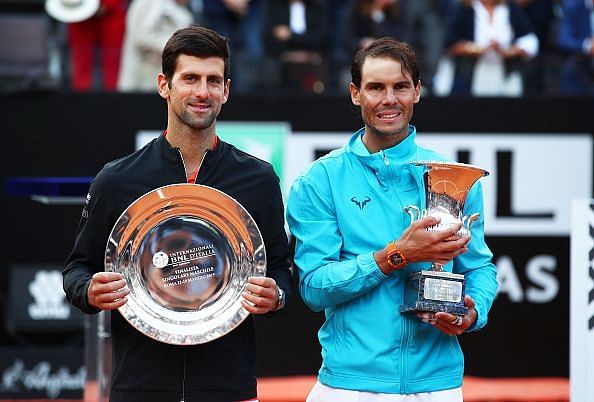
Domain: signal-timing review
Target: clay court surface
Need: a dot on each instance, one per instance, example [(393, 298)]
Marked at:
[(296, 388)]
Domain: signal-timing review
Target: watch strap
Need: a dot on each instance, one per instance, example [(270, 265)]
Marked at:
[(395, 256)]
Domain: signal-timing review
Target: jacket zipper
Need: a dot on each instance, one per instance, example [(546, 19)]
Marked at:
[(387, 162), (404, 341), (404, 354), (184, 164), (385, 158), (183, 396)]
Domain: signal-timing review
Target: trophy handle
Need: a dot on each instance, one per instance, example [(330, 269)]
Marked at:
[(413, 212), (470, 219)]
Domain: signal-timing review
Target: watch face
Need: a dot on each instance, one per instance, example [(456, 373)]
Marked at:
[(396, 259)]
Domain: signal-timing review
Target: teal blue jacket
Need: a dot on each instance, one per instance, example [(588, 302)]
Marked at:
[(344, 207)]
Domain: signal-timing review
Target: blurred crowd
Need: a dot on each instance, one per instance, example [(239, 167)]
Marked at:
[(466, 47)]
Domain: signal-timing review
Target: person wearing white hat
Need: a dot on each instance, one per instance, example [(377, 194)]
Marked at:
[(72, 10), (91, 24)]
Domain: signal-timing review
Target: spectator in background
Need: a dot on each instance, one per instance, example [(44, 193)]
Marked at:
[(149, 24), (197, 8), (576, 38), (541, 14), (241, 22), (295, 35), (338, 56), (489, 39), (104, 32), (424, 29), (370, 20)]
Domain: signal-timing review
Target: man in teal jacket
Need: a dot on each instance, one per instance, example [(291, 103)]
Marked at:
[(347, 214)]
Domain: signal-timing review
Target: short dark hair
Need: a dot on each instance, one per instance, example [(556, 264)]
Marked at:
[(194, 40), (386, 47)]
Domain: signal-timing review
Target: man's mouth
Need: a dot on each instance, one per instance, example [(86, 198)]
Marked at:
[(200, 107), (389, 115)]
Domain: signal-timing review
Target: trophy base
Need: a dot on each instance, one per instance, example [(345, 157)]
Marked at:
[(435, 291), (451, 308)]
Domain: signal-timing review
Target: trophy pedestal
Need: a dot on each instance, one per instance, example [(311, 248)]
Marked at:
[(435, 291)]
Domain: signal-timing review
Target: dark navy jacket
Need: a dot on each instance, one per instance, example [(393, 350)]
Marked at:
[(461, 28), (575, 26), (145, 370)]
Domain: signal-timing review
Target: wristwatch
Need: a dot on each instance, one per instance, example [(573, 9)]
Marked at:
[(396, 260), (281, 299)]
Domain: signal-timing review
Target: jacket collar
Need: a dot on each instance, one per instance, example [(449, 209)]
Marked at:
[(172, 154), (396, 155)]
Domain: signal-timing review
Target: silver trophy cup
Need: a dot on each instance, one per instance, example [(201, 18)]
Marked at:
[(446, 186)]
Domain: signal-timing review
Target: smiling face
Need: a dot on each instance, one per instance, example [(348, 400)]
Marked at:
[(386, 97), (195, 93)]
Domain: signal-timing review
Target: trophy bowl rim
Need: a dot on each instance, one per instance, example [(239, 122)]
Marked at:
[(188, 327), (437, 163)]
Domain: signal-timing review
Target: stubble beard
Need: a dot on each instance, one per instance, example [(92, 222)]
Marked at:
[(197, 123), (386, 134)]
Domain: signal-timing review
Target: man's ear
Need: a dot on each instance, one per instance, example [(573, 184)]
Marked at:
[(354, 94), (227, 89), (418, 92), (163, 86)]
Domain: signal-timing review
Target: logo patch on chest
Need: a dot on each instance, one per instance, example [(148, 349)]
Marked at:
[(361, 202)]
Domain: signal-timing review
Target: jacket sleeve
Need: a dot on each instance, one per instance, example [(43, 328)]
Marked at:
[(87, 256), (524, 36), (271, 224), (460, 26), (324, 279), (571, 37), (476, 266)]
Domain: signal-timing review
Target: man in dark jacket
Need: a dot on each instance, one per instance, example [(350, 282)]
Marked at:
[(576, 40), (195, 82)]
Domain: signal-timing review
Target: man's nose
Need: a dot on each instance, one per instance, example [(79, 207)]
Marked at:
[(201, 90), (390, 97)]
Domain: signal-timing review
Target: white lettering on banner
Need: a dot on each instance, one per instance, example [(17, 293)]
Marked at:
[(49, 299), (581, 307), (539, 271), (509, 283), (16, 378), (533, 177), (543, 285)]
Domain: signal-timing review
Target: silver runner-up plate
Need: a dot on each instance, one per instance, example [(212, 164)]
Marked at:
[(186, 252)]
